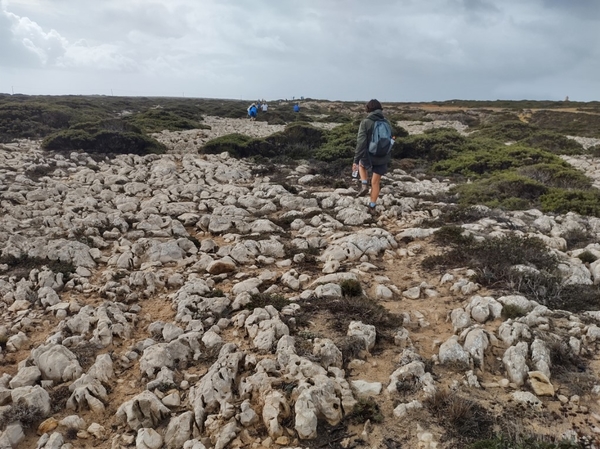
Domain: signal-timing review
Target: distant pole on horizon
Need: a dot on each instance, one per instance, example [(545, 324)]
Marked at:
[(13, 89)]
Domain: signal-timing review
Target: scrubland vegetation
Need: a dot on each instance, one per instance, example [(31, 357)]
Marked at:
[(507, 161), (510, 160)]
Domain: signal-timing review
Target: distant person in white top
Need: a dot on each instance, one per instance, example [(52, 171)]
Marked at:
[(265, 107)]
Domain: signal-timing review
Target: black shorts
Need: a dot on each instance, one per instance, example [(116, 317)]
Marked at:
[(378, 169)]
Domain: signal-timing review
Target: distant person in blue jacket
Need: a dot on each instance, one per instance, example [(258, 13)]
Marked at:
[(296, 107), (252, 111)]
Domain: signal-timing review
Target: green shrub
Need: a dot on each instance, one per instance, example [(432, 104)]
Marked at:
[(508, 190), (265, 299), (365, 409), (69, 140), (335, 117), (351, 287), (583, 202), (511, 311), (116, 125), (301, 133), (554, 142), (474, 163), (340, 143), (504, 131), (296, 141), (157, 120), (494, 262), (103, 142), (587, 257), (433, 145), (554, 175), (236, 145), (31, 119), (570, 123)]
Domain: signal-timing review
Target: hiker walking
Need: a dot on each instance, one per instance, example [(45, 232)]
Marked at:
[(296, 107), (265, 106), (373, 152), (252, 111)]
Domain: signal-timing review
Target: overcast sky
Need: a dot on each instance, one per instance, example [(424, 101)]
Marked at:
[(393, 50)]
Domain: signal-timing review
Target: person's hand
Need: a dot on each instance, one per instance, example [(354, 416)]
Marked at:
[(354, 167)]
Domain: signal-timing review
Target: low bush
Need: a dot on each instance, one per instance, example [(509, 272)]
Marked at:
[(236, 145), (501, 158), (340, 143), (31, 119), (296, 141), (355, 308), (335, 117), (22, 266), (560, 201), (27, 415), (587, 257), (351, 287), (556, 175), (553, 142), (265, 299), (116, 125), (157, 120), (464, 420), (511, 311), (517, 264), (569, 123), (508, 190), (365, 409), (103, 142), (505, 131), (433, 145)]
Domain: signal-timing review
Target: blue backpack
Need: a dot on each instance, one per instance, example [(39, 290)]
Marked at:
[(381, 139)]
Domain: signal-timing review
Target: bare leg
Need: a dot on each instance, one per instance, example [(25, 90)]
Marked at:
[(364, 175), (375, 187)]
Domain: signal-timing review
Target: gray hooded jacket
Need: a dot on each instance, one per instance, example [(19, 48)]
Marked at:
[(365, 131)]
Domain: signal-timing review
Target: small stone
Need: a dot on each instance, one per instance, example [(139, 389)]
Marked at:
[(47, 426), (412, 293), (97, 431), (282, 441), (172, 400), (540, 384)]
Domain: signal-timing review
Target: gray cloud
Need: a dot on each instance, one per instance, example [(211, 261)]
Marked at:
[(405, 50)]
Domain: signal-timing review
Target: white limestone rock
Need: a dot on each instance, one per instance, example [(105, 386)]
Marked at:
[(452, 352), (515, 362), (143, 410), (366, 332), (148, 438)]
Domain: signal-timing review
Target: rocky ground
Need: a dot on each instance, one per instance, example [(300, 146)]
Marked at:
[(189, 301)]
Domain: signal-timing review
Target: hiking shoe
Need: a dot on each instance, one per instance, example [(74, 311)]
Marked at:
[(372, 211), (364, 190)]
